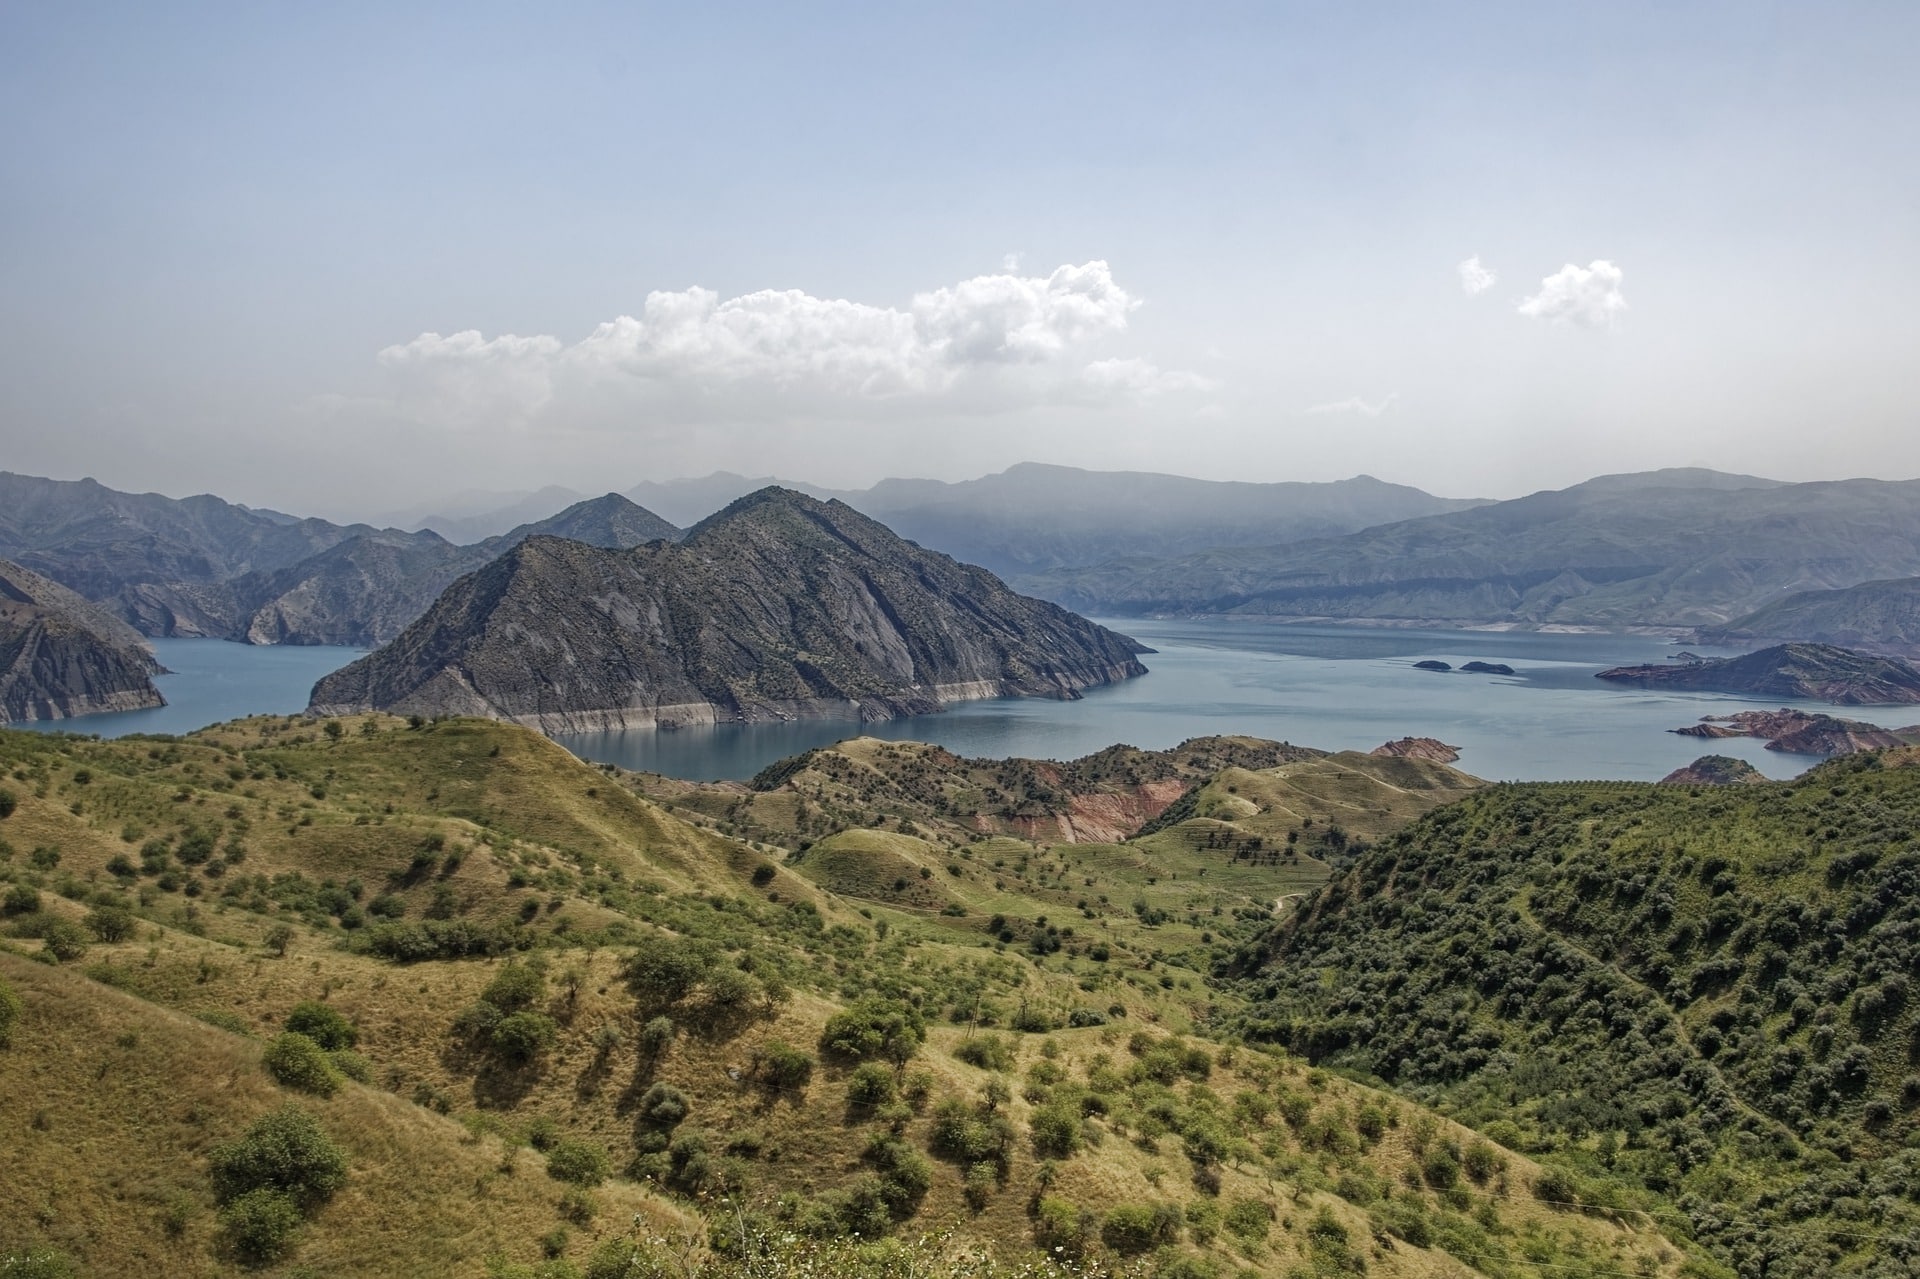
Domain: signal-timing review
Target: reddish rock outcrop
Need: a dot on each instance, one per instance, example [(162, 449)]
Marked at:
[(1418, 748)]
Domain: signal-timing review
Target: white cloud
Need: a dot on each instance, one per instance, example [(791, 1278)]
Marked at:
[(1588, 296), (989, 342), (1475, 278), (1354, 404)]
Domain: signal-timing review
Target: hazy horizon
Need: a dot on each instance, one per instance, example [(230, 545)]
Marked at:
[(350, 262)]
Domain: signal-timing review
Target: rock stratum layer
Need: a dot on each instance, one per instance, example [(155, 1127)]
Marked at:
[(61, 657), (1821, 671), (779, 607)]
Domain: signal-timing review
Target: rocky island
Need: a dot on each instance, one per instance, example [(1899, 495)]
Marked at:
[(1715, 770), (61, 656), (1799, 733), (778, 607), (1823, 672)]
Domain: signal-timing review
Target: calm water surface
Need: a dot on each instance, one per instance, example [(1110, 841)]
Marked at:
[(1338, 688), (214, 680)]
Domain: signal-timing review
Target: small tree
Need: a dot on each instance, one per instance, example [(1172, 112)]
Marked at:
[(278, 938), (297, 1062), (286, 1151), (322, 1024), (579, 1163), (260, 1225), (111, 923), (521, 1037), (65, 940)]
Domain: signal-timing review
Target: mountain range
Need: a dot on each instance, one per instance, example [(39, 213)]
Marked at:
[(780, 606), (1882, 617), (1667, 548)]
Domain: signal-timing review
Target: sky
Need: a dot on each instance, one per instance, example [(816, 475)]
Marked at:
[(349, 260)]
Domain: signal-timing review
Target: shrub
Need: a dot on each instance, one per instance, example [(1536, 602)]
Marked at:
[(1056, 1131), (874, 1027), (1059, 1228), (322, 1024), (352, 1065), (579, 1163), (657, 1035), (1128, 1229), (662, 1106), (784, 1066), (870, 1085), (988, 1052), (286, 1151), (297, 1062), (1249, 1219), (663, 970), (278, 938), (8, 803), (10, 1010), (259, 1225), (515, 987), (521, 1037), (22, 899), (65, 940)]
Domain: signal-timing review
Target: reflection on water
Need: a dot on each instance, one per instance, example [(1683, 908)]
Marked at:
[(1338, 688)]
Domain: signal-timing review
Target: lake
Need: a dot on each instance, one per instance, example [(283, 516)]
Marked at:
[(1334, 687)]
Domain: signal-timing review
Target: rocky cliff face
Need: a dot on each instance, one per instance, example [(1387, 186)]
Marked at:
[(1819, 671), (778, 607), (1431, 748), (1798, 733), (61, 657)]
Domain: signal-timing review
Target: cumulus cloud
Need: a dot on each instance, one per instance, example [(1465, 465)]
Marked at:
[(994, 340), (1588, 296), (1354, 404), (1475, 278)]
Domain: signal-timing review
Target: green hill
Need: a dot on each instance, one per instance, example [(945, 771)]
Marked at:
[(526, 1004), (1698, 997)]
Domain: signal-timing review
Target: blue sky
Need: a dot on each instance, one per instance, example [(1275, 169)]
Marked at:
[(239, 245)]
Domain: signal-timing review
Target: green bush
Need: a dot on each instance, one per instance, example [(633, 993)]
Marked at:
[(259, 1225), (1059, 1228), (784, 1066), (1129, 1229), (322, 1024), (578, 1163), (22, 899), (297, 1062), (1249, 1219), (285, 1151), (1055, 1130), (521, 1037), (352, 1065), (662, 1106), (110, 923), (8, 803), (65, 940), (874, 1027), (516, 986), (989, 1052), (870, 1085)]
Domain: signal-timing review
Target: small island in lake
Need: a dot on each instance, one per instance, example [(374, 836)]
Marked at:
[(1715, 770), (1487, 668), (1432, 665), (1799, 733), (1821, 671)]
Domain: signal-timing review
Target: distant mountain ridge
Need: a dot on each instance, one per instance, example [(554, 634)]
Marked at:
[(779, 607), (1881, 617), (1823, 671), (1673, 548), (61, 657)]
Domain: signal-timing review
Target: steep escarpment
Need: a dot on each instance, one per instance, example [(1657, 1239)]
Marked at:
[(61, 657), (1822, 671), (778, 607)]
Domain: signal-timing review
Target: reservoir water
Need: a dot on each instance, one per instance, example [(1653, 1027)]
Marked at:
[(1334, 687)]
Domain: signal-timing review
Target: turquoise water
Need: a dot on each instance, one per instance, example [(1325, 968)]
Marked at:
[(1337, 688), (213, 681)]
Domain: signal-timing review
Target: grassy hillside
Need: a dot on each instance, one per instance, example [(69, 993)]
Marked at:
[(1695, 992), (569, 1006)]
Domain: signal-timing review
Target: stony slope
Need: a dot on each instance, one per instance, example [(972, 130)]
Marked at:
[(780, 606), (364, 591), (1821, 671), (1879, 617), (61, 656), (1684, 548)]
